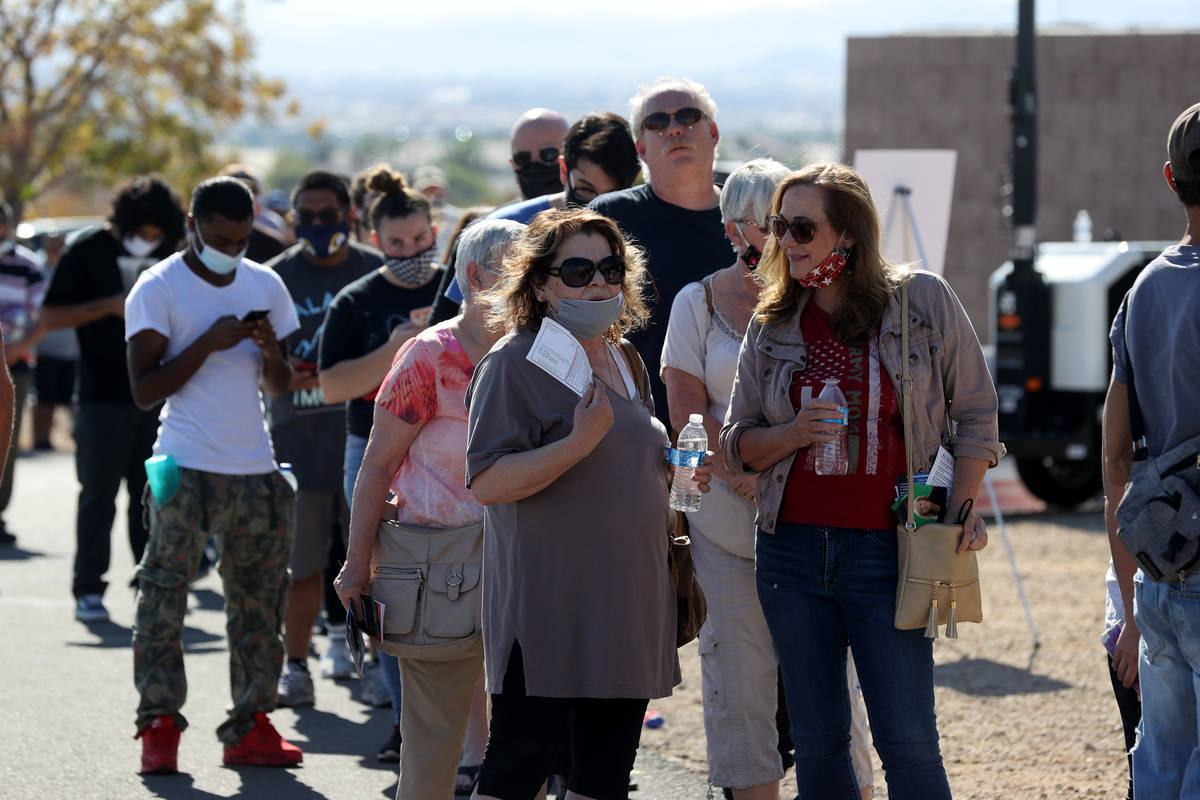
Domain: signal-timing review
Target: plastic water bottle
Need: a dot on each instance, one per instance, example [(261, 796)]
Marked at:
[(831, 456), (1083, 226), (685, 495), (289, 475)]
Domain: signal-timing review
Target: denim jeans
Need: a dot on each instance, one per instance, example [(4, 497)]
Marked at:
[(1166, 758), (823, 589)]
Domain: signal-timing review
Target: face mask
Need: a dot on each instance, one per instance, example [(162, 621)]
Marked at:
[(415, 270), (137, 246), (752, 254), (573, 199), (538, 179), (824, 273), (588, 319), (320, 241), (214, 259)]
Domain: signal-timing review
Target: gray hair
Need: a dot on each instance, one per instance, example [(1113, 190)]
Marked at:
[(749, 190), (481, 242), (637, 103)]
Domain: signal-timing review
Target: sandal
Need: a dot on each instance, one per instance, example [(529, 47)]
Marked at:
[(464, 783)]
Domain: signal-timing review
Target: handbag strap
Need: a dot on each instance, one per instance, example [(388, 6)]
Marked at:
[(906, 414)]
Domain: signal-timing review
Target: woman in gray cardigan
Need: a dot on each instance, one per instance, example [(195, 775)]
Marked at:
[(826, 559)]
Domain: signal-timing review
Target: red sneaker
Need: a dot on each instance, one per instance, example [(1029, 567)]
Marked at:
[(263, 747), (160, 746)]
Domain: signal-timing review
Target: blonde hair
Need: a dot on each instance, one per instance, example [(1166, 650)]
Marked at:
[(868, 280), (513, 300)]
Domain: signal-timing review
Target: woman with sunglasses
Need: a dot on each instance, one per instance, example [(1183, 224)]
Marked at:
[(825, 553), (579, 612), (738, 664)]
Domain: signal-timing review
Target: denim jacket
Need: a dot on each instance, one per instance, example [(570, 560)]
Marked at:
[(950, 382)]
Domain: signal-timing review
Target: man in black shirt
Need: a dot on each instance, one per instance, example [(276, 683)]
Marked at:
[(675, 217), (113, 437)]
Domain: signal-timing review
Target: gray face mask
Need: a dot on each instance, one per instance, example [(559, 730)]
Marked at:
[(588, 319)]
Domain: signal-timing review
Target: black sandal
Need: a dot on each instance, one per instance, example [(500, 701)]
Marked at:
[(472, 776)]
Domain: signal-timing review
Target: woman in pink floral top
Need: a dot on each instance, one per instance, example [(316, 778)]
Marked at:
[(417, 451)]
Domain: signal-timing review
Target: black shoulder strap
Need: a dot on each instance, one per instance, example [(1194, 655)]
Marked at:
[(1137, 424)]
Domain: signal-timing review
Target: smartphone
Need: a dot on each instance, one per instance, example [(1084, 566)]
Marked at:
[(256, 315)]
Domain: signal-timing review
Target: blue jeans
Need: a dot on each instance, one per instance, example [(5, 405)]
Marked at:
[(823, 589), (1166, 758)]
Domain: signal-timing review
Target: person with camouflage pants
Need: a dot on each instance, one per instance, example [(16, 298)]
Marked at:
[(205, 329)]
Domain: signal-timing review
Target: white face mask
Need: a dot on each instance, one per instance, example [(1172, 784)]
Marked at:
[(137, 246), (214, 259)]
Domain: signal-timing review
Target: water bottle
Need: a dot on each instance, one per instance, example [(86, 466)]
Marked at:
[(685, 496), (289, 475), (1083, 226), (831, 456)]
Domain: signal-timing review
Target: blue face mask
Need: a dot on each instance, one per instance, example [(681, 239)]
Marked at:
[(320, 241), (214, 259)]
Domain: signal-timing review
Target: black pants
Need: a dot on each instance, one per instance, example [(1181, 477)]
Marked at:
[(112, 442), (1131, 714), (525, 734)]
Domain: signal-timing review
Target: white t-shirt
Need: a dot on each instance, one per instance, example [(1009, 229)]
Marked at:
[(216, 422)]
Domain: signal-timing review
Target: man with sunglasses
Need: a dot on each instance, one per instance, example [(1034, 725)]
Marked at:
[(537, 140), (675, 216), (308, 432)]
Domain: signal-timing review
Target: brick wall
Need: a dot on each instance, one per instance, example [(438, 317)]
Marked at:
[(1105, 103)]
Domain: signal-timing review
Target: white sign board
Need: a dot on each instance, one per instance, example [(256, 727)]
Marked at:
[(929, 177)]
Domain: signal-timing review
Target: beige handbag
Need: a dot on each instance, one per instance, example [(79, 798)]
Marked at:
[(430, 582), (935, 585)]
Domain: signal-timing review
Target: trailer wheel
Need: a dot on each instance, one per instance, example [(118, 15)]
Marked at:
[(1061, 483)]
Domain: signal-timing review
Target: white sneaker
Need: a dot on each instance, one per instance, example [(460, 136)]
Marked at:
[(90, 608), (337, 662), (374, 690), (295, 686)]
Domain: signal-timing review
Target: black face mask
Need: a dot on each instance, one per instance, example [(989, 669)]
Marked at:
[(751, 257), (538, 179), (573, 199)]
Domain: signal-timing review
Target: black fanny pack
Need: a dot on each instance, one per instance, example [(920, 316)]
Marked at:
[(1158, 519)]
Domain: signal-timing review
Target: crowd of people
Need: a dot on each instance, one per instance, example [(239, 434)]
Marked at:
[(386, 349)]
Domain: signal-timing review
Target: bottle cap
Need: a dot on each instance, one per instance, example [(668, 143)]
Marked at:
[(696, 418)]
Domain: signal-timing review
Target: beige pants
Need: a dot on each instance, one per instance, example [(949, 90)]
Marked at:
[(433, 719)]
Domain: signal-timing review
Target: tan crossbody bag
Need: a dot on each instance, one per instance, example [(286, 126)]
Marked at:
[(935, 585)]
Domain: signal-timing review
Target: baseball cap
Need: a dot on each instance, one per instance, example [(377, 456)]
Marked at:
[(1183, 142), (429, 175)]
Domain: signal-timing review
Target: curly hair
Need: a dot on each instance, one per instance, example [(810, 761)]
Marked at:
[(513, 300), (869, 280), (148, 200)]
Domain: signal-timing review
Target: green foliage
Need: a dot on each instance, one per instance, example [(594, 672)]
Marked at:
[(105, 89)]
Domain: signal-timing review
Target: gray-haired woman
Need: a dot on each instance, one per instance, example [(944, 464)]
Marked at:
[(699, 362)]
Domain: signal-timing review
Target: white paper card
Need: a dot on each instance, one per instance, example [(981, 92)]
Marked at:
[(942, 471), (560, 354)]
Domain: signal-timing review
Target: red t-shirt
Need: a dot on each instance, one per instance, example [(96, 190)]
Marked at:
[(861, 498)]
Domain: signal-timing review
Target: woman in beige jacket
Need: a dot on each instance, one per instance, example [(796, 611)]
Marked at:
[(825, 553)]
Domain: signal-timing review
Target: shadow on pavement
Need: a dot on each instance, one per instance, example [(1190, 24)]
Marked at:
[(328, 733), (110, 634), (257, 782), (987, 678), (208, 600), (17, 553)]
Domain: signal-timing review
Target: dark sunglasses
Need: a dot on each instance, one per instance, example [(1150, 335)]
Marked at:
[(326, 216), (802, 228), (660, 120), (523, 158), (578, 272)]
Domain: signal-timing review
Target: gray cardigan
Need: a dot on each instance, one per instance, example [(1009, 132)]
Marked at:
[(950, 382)]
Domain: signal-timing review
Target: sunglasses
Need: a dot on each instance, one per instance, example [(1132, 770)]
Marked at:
[(523, 158), (659, 121), (326, 216), (802, 228), (578, 272)]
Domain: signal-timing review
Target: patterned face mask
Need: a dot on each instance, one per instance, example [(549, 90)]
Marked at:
[(415, 270), (827, 271)]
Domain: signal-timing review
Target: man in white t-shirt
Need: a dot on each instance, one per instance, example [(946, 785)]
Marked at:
[(204, 330)]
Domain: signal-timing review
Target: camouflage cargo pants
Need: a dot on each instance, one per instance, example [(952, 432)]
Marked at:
[(252, 515)]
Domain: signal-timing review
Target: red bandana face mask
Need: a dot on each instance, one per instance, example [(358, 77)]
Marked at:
[(824, 273)]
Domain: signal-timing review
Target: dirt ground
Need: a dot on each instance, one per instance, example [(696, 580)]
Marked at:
[(1015, 722)]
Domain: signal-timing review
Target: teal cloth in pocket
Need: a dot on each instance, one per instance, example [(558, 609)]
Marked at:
[(162, 473)]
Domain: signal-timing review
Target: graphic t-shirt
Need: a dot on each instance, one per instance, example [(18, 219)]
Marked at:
[(308, 432), (428, 384), (95, 265), (862, 497), (216, 421), (681, 246), (359, 321)]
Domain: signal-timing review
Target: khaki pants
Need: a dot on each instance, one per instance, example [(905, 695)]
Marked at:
[(433, 720)]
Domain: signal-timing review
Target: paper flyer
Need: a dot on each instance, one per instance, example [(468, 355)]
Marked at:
[(561, 355)]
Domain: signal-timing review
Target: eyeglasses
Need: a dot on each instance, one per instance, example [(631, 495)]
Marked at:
[(802, 228), (523, 158), (326, 216), (578, 272), (659, 121), (758, 226)]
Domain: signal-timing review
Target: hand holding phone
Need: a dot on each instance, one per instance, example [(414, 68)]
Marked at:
[(256, 315)]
